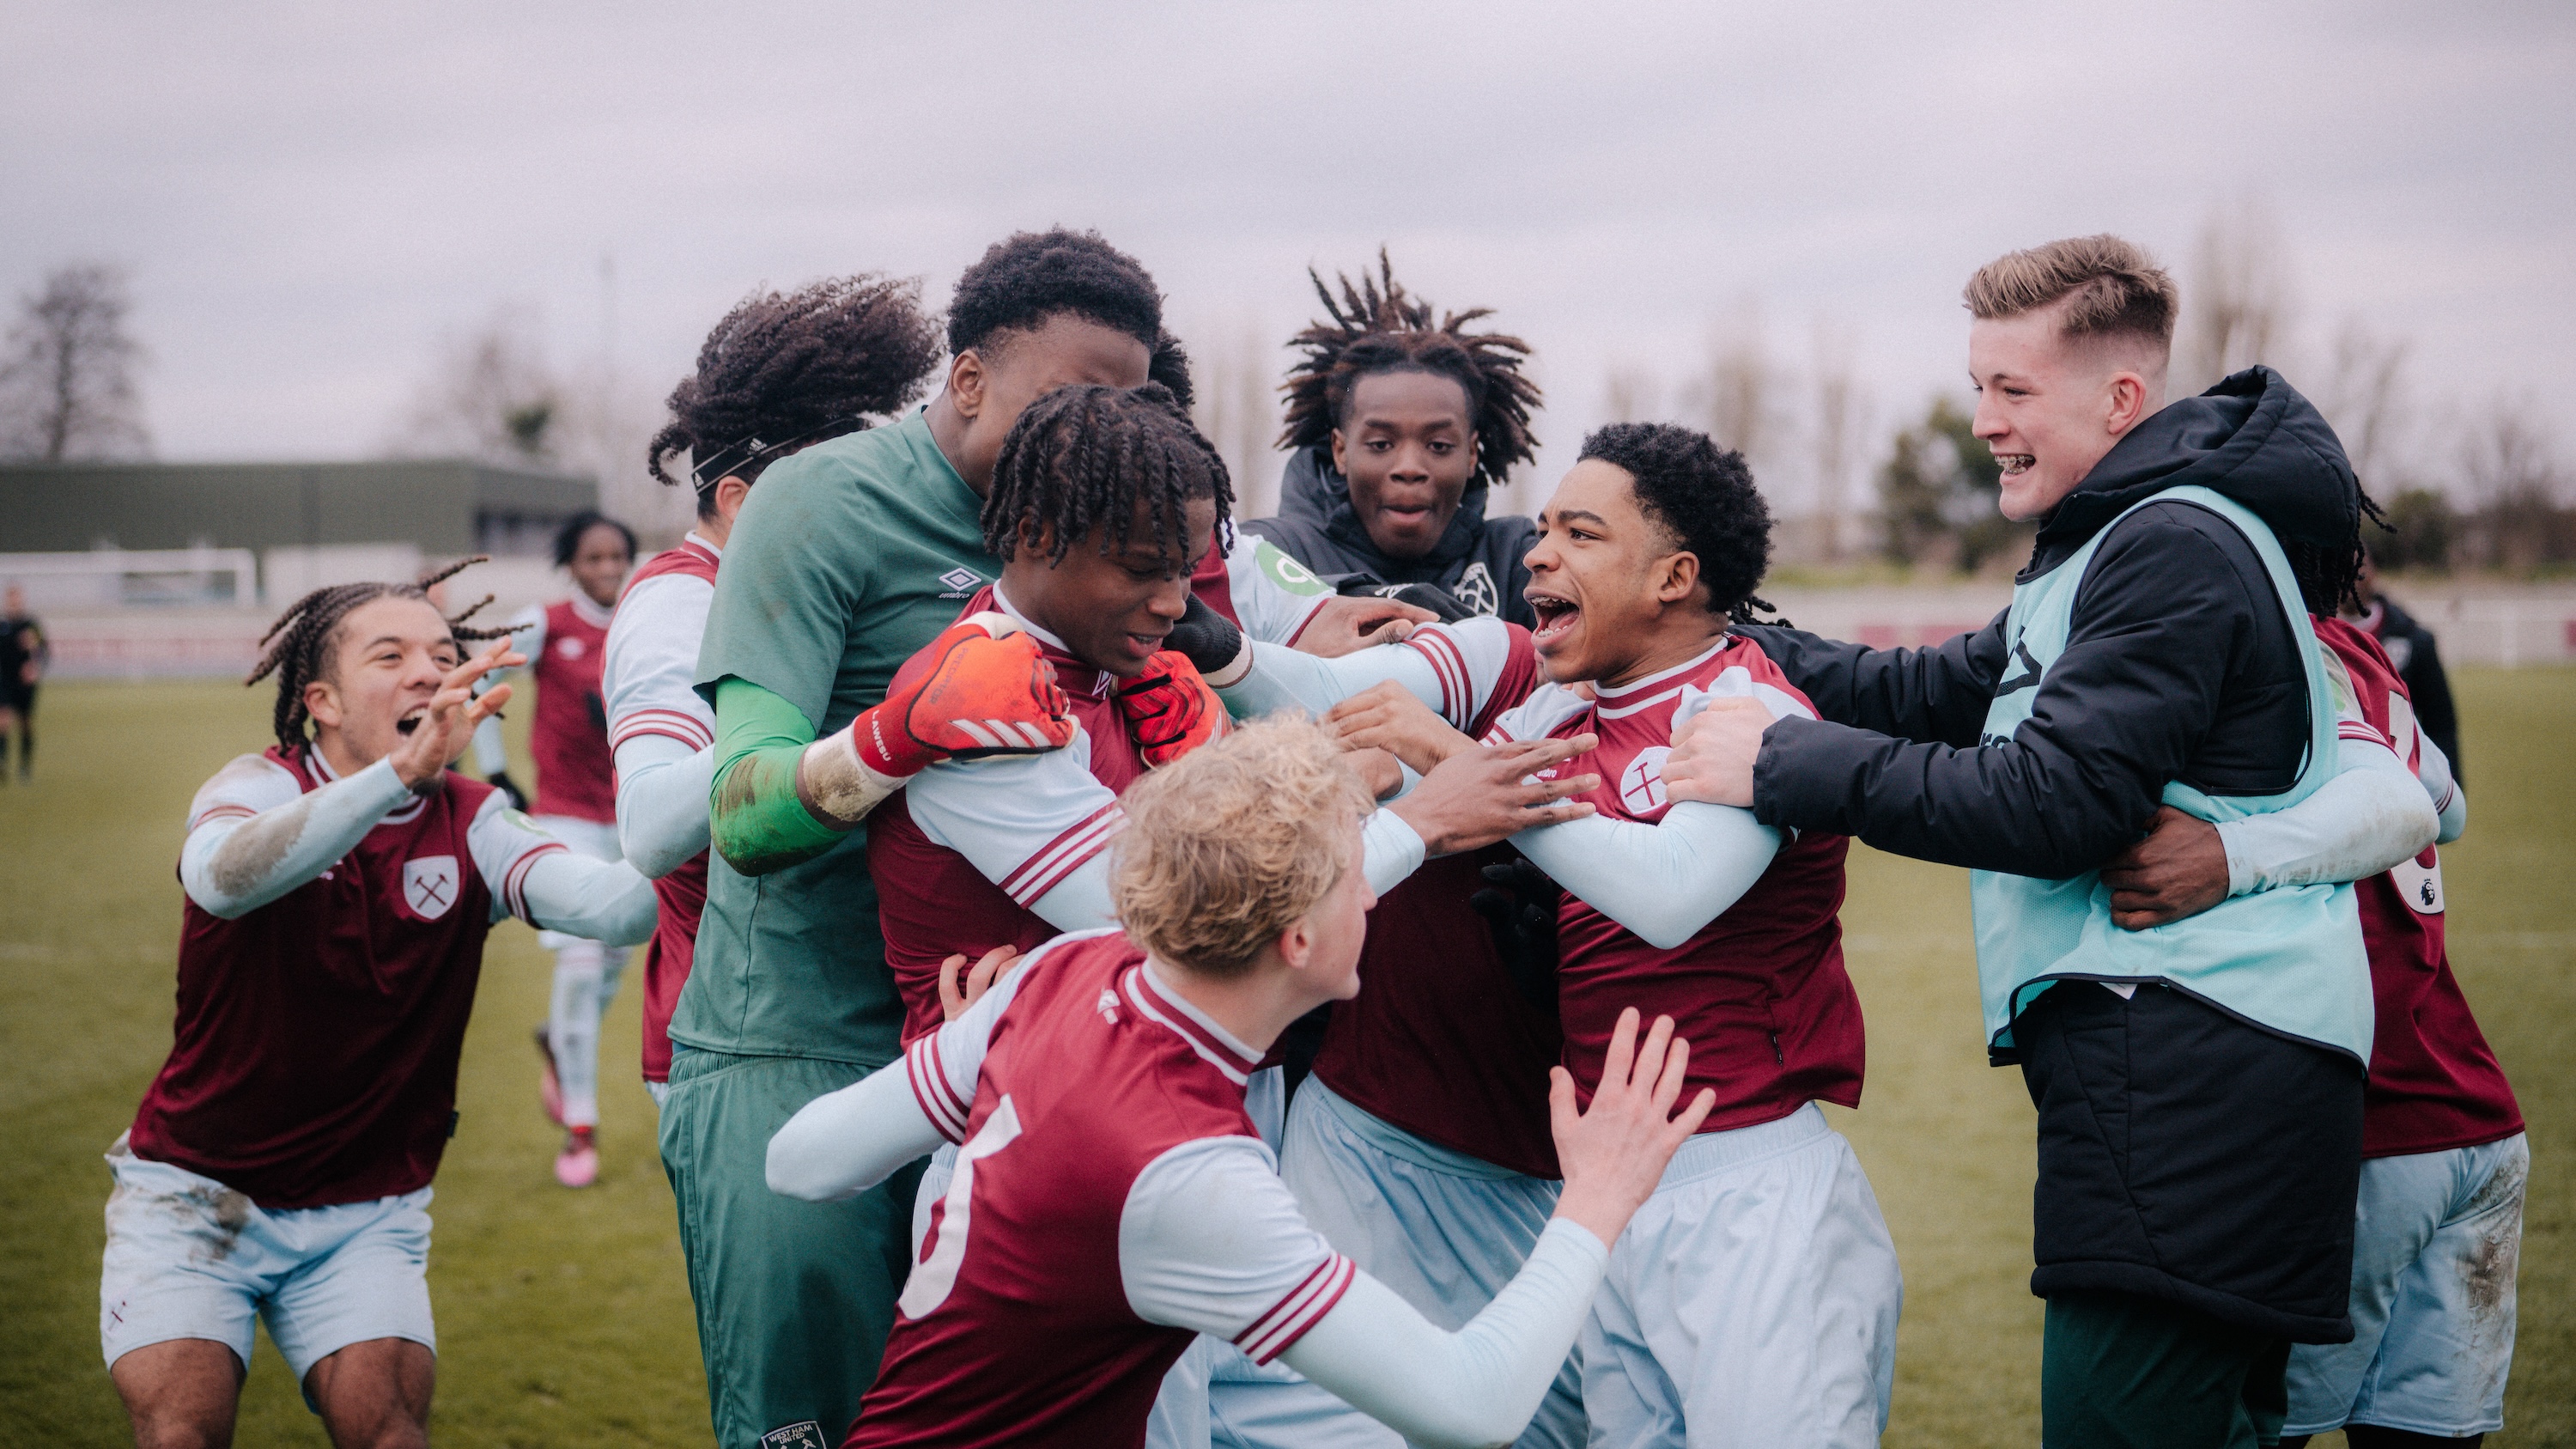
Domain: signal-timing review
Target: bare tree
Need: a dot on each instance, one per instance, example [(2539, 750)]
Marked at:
[(1833, 431), (492, 397), (1238, 410), (1740, 395), (2363, 401), (2236, 302), (2507, 458), (67, 382), (1629, 394)]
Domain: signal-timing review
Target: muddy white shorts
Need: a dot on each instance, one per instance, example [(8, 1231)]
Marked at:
[(2433, 1258), (188, 1257), (1753, 1300)]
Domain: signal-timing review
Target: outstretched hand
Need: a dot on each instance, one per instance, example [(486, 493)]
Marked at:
[(1490, 793), (447, 727), (956, 996), (1387, 716), (1343, 624), (1615, 1154)]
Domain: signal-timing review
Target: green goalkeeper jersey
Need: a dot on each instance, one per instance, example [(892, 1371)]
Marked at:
[(847, 558)]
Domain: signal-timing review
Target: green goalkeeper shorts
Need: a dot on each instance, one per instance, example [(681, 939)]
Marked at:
[(794, 1298)]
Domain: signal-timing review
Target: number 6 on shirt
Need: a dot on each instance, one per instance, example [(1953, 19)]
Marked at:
[(928, 1286)]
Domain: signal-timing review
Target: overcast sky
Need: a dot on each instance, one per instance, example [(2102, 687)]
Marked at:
[(310, 198)]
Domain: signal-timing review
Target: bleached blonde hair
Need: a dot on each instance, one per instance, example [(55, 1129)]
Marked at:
[(1228, 846)]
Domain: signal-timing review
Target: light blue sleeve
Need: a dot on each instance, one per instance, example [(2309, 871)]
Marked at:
[(1038, 826), (2373, 814), (1663, 881)]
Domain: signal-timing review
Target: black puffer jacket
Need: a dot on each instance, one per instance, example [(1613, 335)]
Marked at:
[(1478, 559), (2185, 1154), (2180, 663)]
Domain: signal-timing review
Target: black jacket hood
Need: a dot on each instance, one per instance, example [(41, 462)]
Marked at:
[(2251, 439), (1312, 490)]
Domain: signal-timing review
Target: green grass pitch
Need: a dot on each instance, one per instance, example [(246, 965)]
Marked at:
[(564, 1317)]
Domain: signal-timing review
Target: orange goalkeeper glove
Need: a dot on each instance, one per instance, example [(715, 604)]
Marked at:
[(981, 688), (1170, 710)]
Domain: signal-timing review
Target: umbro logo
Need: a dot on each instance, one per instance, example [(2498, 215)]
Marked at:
[(961, 582)]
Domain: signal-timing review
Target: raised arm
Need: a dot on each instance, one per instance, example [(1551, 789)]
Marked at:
[(254, 835), (1212, 1240), (662, 732), (1937, 695), (843, 1143)]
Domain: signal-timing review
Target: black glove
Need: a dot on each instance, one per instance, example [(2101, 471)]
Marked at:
[(1519, 906), (1211, 642), (501, 781), (1421, 596)]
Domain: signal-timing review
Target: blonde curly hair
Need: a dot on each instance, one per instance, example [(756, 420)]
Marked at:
[(1230, 845)]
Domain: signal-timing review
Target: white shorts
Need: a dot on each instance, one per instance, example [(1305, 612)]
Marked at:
[(1752, 1300), (188, 1257), (1442, 1229), (2434, 1252)]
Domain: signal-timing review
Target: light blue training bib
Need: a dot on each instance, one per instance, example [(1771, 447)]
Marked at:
[(2290, 959)]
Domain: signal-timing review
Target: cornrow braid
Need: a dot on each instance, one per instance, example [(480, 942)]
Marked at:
[(298, 647), (782, 371), (1086, 457), (1376, 326)]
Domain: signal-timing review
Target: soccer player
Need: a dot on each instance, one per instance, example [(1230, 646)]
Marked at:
[(577, 803), (1401, 424), (846, 559), (23, 656), (339, 889), (1757, 1300), (2444, 1160), (1112, 1199), (2418, 657), (2199, 1086), (780, 373)]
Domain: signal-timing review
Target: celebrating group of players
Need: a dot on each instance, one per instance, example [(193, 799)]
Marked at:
[(1116, 980)]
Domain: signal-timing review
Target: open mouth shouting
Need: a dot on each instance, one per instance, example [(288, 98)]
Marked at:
[(411, 719), (2016, 464), (1556, 617)]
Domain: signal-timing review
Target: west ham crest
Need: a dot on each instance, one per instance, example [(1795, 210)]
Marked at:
[(431, 885)]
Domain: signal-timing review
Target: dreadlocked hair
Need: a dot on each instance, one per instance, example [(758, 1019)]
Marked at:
[(298, 648), (1088, 457), (2329, 574), (1704, 497), (1376, 326), (786, 368)]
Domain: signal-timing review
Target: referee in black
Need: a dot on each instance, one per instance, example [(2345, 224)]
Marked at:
[(23, 654)]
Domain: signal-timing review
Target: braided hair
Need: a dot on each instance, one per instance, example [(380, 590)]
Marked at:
[(1085, 457), (1705, 499), (1376, 326), (2329, 574), (300, 647), (783, 371)]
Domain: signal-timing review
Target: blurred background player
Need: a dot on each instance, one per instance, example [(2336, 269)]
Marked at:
[(339, 890), (23, 656), (1112, 1199), (576, 801), (2418, 657), (1401, 425), (781, 372)]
